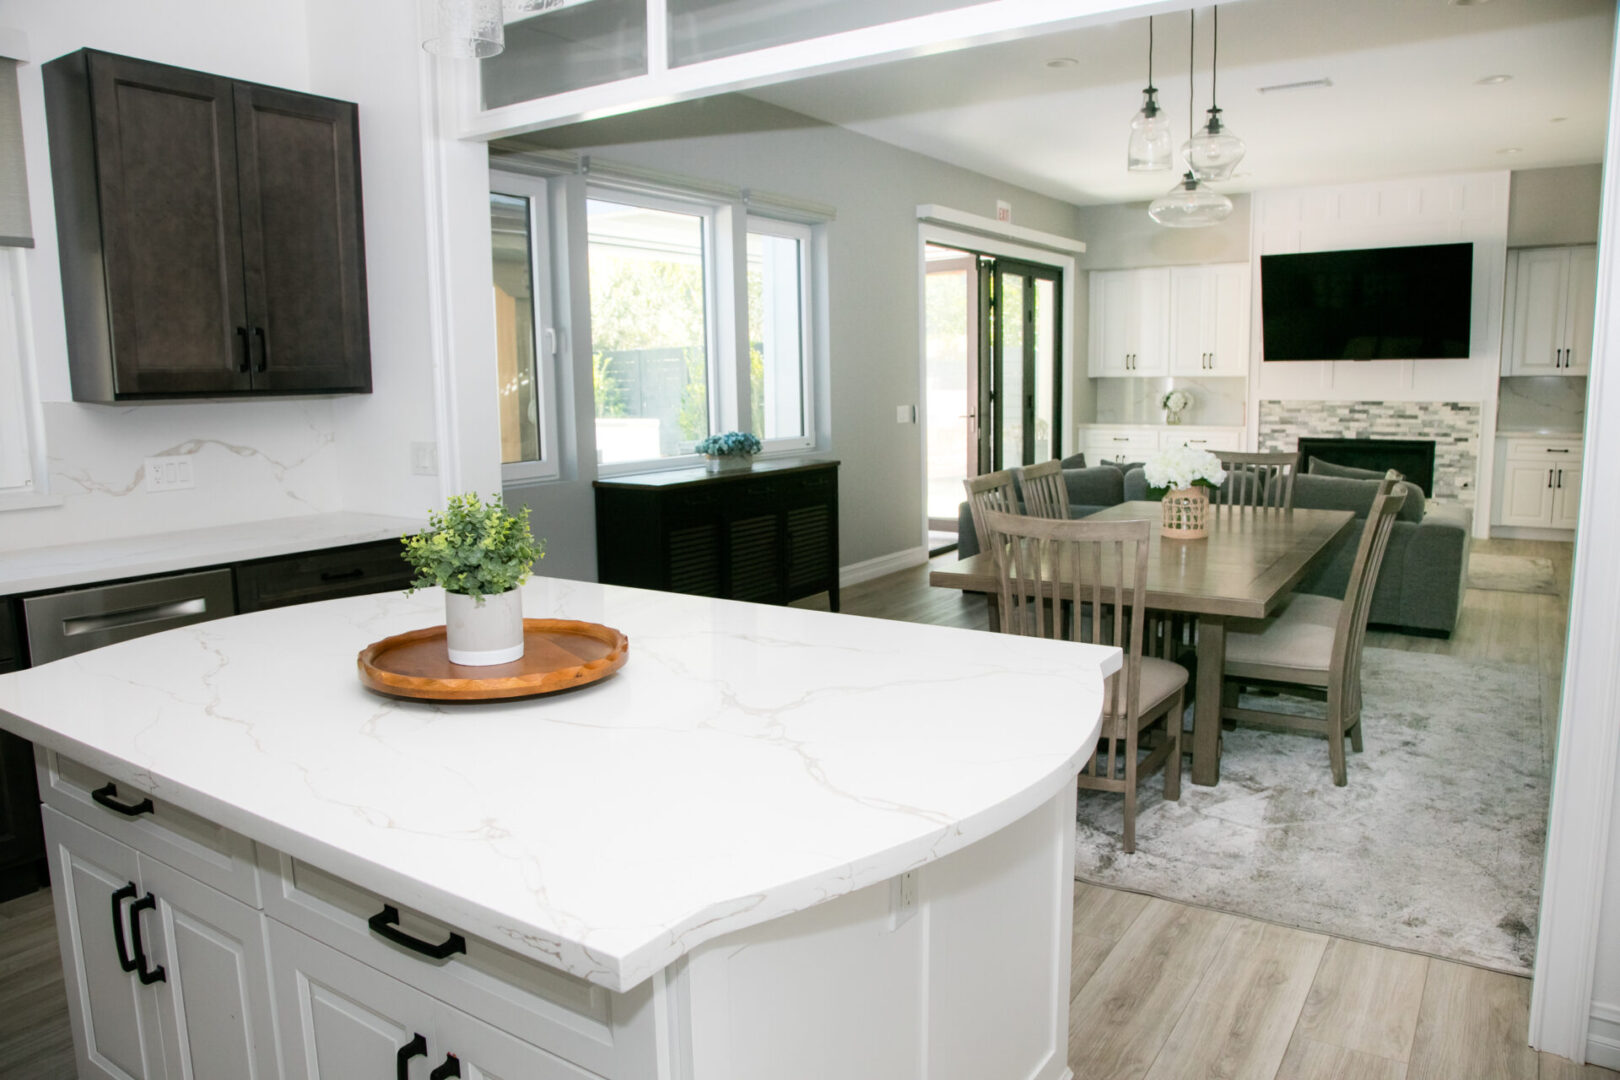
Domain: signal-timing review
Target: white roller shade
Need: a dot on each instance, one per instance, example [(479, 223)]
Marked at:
[(16, 228)]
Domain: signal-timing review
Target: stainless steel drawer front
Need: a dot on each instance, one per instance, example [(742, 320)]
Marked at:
[(68, 623)]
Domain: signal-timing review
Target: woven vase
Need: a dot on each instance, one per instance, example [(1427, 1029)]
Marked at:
[(1186, 513)]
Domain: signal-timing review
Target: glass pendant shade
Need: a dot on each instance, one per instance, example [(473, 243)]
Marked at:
[(1150, 148), (1214, 152), (468, 29), (1189, 205)]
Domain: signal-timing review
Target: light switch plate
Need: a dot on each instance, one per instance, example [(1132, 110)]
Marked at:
[(424, 459), (905, 414), (172, 472)]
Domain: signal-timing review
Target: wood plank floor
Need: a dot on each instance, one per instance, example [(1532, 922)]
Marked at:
[(1162, 991)]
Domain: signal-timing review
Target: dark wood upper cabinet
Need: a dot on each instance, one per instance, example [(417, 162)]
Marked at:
[(210, 231)]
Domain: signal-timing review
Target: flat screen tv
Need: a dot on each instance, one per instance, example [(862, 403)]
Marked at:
[(1403, 303)]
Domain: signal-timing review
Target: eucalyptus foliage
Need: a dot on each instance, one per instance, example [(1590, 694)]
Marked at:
[(732, 442), (473, 548)]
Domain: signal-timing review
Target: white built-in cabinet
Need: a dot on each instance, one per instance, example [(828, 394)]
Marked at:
[(1550, 306), (1137, 442), (1183, 320), (1539, 483)]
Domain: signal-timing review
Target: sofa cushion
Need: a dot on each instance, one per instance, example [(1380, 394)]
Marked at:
[(1103, 485), (1314, 491), (1318, 467), (1074, 461)]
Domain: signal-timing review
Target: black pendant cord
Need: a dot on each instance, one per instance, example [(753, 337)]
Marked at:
[(1215, 58), (1150, 54), (1192, 57)]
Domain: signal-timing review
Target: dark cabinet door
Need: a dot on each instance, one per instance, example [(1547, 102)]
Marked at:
[(165, 148), (303, 252), (22, 842)]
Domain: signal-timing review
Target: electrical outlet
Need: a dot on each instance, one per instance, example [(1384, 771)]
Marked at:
[(902, 899), (424, 459), (172, 472)]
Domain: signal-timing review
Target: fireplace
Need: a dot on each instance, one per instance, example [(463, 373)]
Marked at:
[(1412, 458)]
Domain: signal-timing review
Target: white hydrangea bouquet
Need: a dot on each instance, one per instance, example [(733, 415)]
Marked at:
[(1174, 404), (1180, 477)]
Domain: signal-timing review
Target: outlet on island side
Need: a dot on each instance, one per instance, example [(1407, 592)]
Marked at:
[(171, 472), (902, 899)]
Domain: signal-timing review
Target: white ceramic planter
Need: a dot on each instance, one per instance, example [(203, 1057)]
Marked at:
[(730, 463), (479, 634)]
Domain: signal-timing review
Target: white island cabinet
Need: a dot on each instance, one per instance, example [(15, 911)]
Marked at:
[(777, 843)]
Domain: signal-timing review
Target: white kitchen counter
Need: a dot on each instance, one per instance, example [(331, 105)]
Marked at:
[(746, 763), (68, 565)]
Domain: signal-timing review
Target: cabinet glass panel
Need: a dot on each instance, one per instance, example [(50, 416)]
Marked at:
[(578, 43), (709, 29), (649, 356)]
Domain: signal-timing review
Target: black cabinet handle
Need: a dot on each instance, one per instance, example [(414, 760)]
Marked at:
[(417, 1047), (1549, 477), (104, 796), (148, 976), (120, 943), (343, 575), (1560, 477), (385, 924), (247, 351), (451, 1067), (264, 348)]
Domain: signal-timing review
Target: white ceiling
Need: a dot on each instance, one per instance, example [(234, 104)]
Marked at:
[(1405, 98)]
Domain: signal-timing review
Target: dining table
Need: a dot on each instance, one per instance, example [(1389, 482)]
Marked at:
[(1244, 569)]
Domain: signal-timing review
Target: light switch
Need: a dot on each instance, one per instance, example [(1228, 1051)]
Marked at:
[(905, 414), (171, 472)]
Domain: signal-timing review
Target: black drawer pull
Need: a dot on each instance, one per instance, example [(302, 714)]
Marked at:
[(385, 924), (343, 575), (451, 1067), (417, 1047), (247, 351), (104, 796), (264, 348), (120, 943), (155, 975)]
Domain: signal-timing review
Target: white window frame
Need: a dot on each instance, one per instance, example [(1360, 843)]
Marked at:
[(808, 362), (19, 384), (535, 190), (722, 403)]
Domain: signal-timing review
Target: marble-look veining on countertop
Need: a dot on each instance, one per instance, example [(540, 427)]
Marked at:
[(1541, 404), (63, 566), (747, 762), (251, 460), (1217, 402)]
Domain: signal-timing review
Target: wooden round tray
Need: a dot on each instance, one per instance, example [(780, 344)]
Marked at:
[(558, 654)]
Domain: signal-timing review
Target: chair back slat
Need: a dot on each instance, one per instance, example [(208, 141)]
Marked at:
[(992, 491), (1265, 481), (1350, 634), (1045, 492), (1101, 565)]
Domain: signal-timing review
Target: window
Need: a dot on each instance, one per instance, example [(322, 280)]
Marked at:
[(778, 332), (650, 316), (22, 464), (524, 339)]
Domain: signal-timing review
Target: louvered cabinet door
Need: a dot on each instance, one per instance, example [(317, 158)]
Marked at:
[(694, 559), (754, 558), (810, 560)]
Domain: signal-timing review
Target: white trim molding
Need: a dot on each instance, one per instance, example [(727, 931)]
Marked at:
[(895, 561), (1001, 230), (1603, 1040), (1573, 899)]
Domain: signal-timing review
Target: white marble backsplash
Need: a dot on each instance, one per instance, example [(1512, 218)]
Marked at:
[(1216, 402), (1542, 403), (251, 461)]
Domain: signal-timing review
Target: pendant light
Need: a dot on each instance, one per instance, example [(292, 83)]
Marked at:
[(1150, 128), (1189, 205), (1214, 152), (468, 29)]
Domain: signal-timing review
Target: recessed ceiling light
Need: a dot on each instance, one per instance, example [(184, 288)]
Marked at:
[(1511, 150), (1062, 62), (1305, 84), (1494, 80), (1468, 3), (1558, 120)]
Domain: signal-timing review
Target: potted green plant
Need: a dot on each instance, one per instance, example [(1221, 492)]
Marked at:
[(480, 554), (733, 450)]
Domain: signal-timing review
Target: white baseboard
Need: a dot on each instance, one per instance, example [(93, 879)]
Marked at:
[(1526, 532), (855, 573), (1603, 1037)]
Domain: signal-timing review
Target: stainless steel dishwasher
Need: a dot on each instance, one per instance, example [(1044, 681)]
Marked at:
[(65, 623)]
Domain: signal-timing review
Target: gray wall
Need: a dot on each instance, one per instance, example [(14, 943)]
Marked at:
[(1123, 237), (872, 298), (1555, 206)]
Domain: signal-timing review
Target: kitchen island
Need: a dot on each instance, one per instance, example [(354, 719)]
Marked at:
[(777, 843)]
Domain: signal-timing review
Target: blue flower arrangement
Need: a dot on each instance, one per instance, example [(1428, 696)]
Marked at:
[(732, 442)]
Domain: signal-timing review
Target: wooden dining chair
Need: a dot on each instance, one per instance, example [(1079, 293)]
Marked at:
[(1262, 480), (1103, 566), (1316, 642), (1046, 494), (992, 491)]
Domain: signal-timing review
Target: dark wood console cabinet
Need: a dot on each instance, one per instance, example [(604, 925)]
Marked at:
[(768, 534), (22, 841), (210, 232)]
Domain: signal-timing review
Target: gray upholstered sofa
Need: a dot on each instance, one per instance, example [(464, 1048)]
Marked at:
[(1420, 586)]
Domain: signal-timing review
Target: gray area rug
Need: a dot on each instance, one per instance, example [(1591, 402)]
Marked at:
[(1434, 846), (1512, 573)]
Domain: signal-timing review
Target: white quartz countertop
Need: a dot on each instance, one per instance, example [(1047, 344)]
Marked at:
[(68, 565), (747, 762)]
